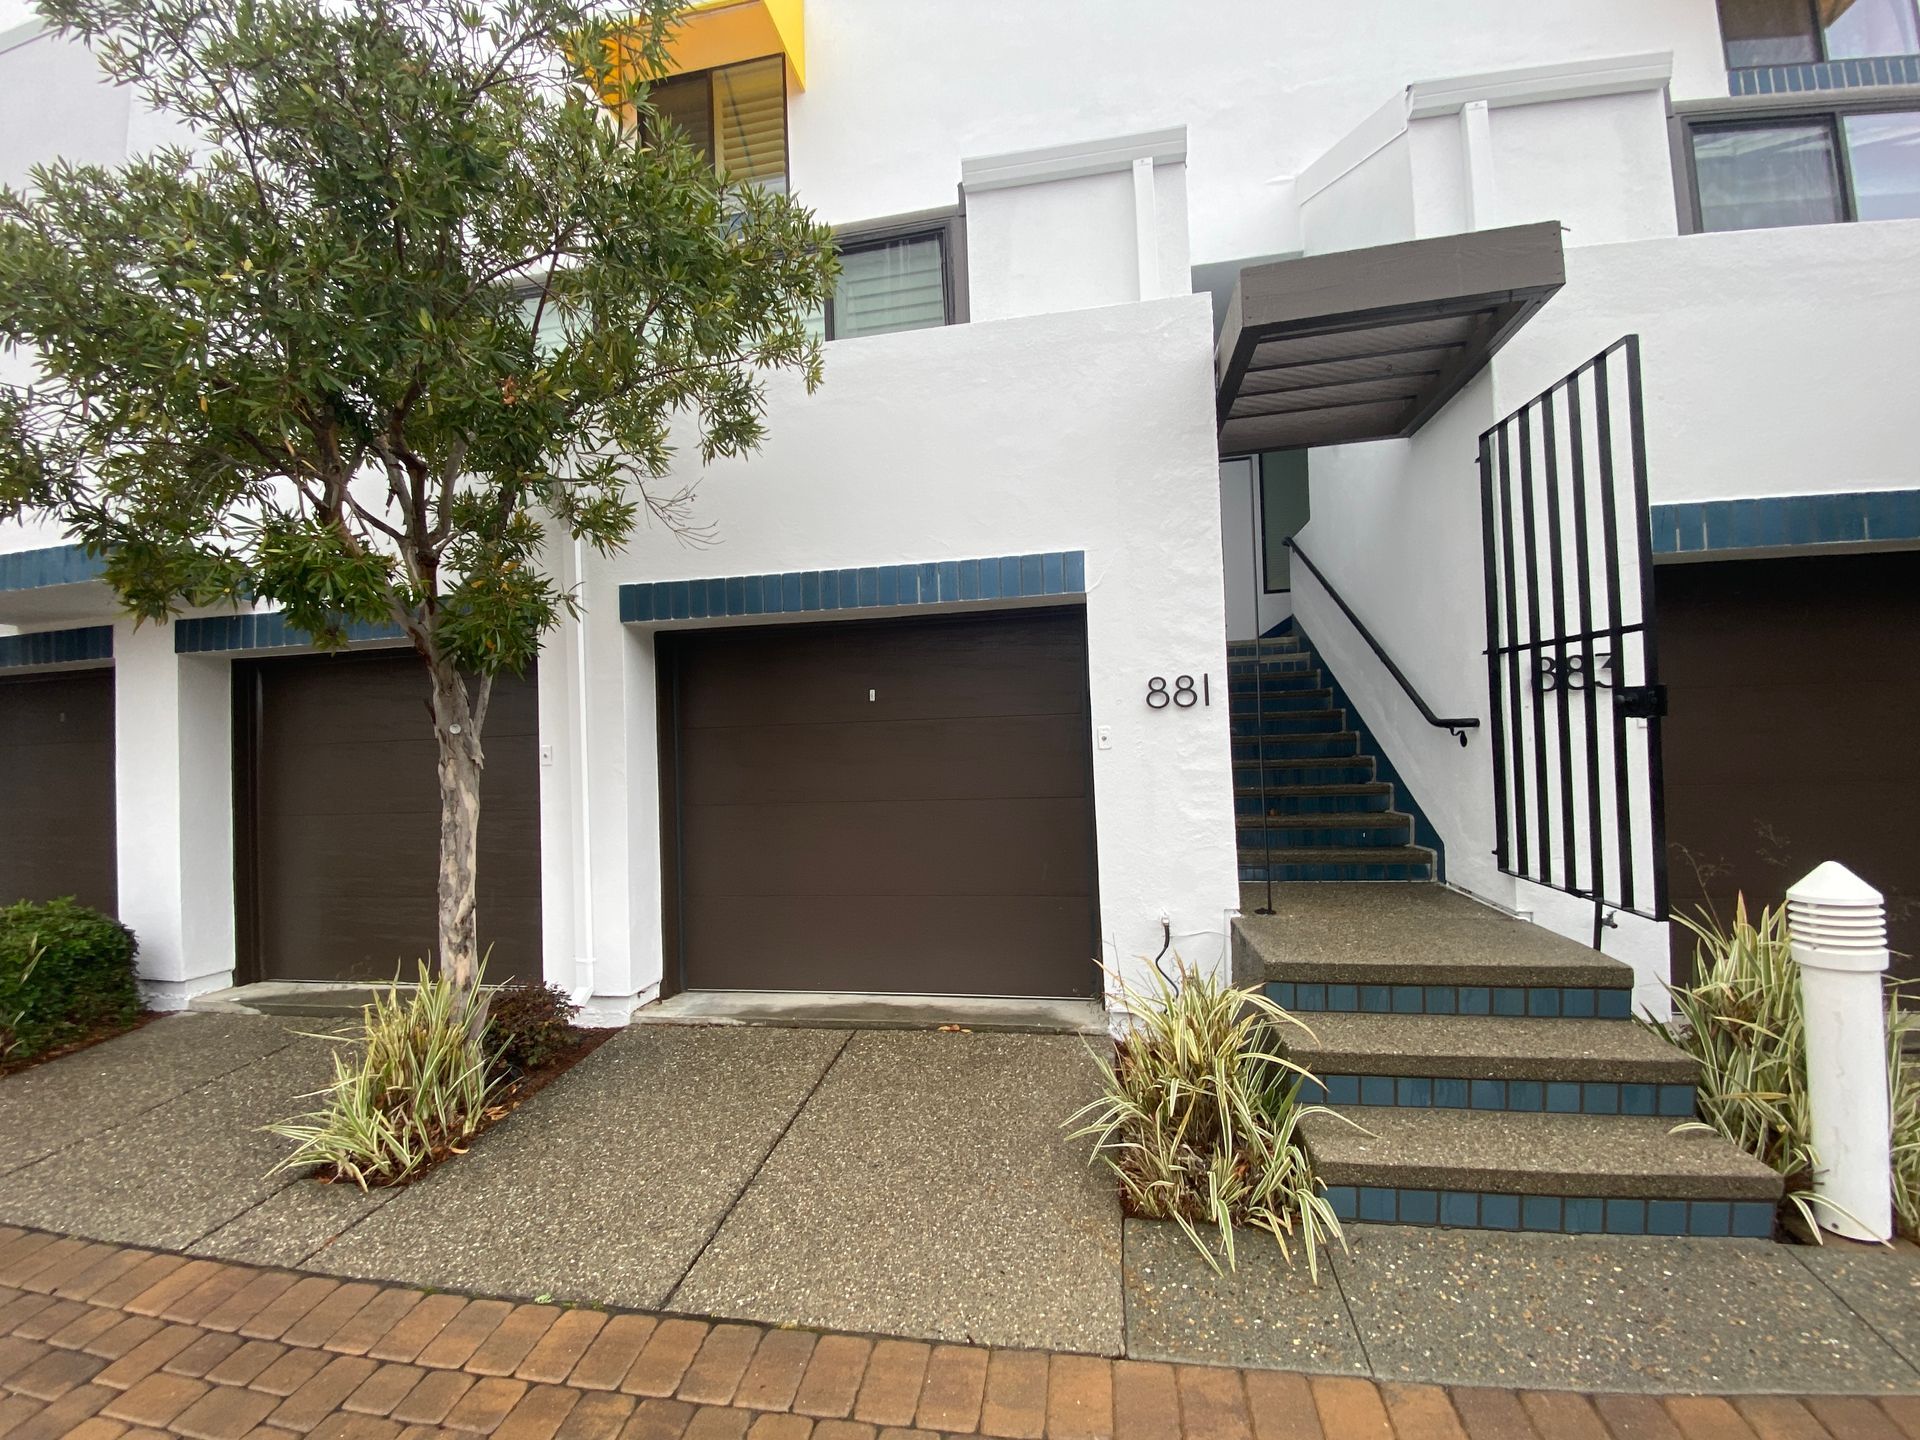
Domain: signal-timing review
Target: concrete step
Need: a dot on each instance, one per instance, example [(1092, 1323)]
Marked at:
[(1298, 722), (1325, 745), (1405, 940), (1311, 770), (1612, 1001), (1334, 799), (1269, 665), (1269, 645), (1369, 864), (1274, 683), (1494, 1049), (1277, 701), (1338, 831), (1578, 1174)]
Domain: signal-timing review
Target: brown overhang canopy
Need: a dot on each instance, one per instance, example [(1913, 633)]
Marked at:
[(1369, 344)]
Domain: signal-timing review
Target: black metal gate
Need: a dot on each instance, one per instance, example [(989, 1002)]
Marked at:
[(1572, 666)]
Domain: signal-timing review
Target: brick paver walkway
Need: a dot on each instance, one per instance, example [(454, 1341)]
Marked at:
[(105, 1342)]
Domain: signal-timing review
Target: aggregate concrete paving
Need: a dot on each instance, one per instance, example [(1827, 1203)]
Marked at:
[(913, 1183), (1613, 1312), (606, 1185), (930, 1187), (1265, 1311)]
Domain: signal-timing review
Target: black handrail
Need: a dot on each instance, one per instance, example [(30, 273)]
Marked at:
[(1457, 725)]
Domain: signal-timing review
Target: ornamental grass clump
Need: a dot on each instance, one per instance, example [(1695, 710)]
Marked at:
[(1199, 1118), (1741, 1018), (414, 1087)]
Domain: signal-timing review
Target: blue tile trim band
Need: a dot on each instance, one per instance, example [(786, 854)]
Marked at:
[(1559, 1214), (50, 565), (87, 645), (1006, 577), (1554, 1002), (1695, 527), (1553, 1097), (1825, 75), (208, 634)]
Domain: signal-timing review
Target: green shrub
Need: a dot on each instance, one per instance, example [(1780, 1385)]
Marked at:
[(414, 1086), (65, 972), (529, 1026), (1199, 1116), (1741, 1019)]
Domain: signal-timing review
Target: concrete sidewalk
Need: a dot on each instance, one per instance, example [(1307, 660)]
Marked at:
[(906, 1183)]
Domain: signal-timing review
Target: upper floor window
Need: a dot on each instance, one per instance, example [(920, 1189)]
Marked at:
[(736, 116), (1806, 168), (1795, 32), (901, 276)]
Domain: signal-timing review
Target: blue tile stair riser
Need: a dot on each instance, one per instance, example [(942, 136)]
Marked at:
[(1531, 1097), (1571, 1002), (1556, 1214)]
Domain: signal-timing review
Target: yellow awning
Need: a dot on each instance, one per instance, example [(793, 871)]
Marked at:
[(712, 33)]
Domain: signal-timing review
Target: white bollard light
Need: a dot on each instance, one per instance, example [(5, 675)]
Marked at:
[(1838, 924)]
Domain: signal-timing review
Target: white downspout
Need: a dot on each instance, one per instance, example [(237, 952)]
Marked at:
[(584, 950)]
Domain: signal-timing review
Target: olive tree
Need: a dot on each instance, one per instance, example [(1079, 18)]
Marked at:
[(426, 293)]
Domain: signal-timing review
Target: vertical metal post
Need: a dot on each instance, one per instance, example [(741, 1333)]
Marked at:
[(1616, 623), (1556, 571), (1259, 683), (1496, 720), (1649, 645), (1596, 837), (1531, 547), (1519, 778)]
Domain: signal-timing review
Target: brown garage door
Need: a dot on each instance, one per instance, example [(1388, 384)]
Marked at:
[(338, 820), (56, 788), (885, 807), (1792, 698)]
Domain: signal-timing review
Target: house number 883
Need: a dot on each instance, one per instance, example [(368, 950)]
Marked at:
[(1183, 695)]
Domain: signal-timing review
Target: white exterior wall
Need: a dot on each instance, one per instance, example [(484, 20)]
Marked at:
[(1090, 430), (1070, 415)]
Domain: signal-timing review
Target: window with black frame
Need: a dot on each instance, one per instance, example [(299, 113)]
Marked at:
[(736, 116), (1806, 168), (889, 283), (1795, 32)]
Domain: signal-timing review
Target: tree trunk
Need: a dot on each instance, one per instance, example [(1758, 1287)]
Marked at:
[(458, 738)]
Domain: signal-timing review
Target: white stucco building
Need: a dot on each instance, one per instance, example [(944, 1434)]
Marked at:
[(1131, 299)]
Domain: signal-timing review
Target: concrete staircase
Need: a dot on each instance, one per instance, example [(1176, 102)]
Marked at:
[(1485, 1073), (1324, 812)]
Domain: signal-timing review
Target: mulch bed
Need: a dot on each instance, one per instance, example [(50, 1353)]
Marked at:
[(511, 1096), (111, 1031)]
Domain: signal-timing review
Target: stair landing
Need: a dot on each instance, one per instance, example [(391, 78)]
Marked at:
[(1484, 1073)]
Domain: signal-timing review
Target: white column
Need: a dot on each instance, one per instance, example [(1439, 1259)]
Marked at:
[(1146, 228), (1476, 145), (1838, 924), (173, 811)]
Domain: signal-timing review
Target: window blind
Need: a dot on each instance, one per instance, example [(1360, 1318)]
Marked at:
[(895, 286), (750, 123)]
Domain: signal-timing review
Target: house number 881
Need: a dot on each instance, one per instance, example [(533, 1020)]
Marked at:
[(1182, 696)]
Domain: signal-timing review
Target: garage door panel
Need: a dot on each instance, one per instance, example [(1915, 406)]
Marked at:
[(1788, 739), (934, 838), (56, 788), (1021, 755), (887, 944), (789, 676), (942, 847), (343, 810)]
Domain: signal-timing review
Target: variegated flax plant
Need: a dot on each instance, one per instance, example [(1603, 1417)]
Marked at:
[(412, 1088), (1741, 1018), (1199, 1118)]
